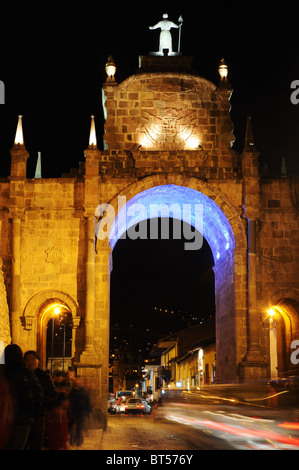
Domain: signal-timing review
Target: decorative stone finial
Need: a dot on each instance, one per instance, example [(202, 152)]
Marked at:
[(92, 135), (19, 138), (38, 169)]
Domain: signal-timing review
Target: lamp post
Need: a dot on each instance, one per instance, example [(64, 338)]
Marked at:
[(223, 70), (56, 311), (110, 69)]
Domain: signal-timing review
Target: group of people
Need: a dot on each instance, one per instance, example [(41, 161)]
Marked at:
[(37, 412)]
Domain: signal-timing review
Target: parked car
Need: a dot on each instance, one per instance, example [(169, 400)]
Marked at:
[(124, 393), (133, 405), (120, 405)]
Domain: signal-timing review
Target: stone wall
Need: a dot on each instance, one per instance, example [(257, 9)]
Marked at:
[(278, 237)]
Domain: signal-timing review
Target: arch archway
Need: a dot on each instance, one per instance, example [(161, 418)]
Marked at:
[(39, 311), (223, 229), (284, 327)]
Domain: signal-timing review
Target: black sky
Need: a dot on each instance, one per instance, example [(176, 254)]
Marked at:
[(53, 55)]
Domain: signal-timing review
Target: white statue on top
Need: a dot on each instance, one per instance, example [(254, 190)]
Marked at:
[(165, 36)]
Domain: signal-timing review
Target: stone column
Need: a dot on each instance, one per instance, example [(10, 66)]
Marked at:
[(254, 365), (19, 157), (253, 353), (5, 330), (90, 363), (90, 283), (15, 301), (102, 324)]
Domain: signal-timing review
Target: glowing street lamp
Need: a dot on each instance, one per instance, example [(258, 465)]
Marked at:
[(223, 70), (110, 69)]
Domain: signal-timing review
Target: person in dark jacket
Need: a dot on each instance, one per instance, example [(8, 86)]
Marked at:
[(38, 427), (6, 410), (26, 393), (79, 409)]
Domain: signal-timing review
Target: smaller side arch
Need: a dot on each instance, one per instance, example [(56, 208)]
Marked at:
[(36, 316), (284, 305)]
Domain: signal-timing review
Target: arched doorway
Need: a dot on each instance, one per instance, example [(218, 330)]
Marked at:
[(213, 215), (283, 331), (59, 338), (38, 316)]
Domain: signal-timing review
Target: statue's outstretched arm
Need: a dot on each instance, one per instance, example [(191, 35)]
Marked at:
[(158, 25)]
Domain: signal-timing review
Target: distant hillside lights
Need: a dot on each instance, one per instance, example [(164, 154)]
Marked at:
[(2, 92)]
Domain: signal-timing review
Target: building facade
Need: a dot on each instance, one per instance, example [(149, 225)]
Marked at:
[(168, 138)]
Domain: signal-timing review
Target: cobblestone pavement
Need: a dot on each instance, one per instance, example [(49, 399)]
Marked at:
[(141, 433)]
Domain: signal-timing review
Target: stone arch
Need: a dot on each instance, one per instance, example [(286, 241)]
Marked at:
[(230, 268), (210, 191), (285, 305), (37, 314)]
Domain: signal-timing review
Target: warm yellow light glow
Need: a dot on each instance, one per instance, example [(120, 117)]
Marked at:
[(271, 312), (110, 69), (145, 142), (56, 308), (192, 143), (151, 137), (92, 135), (190, 140), (19, 139), (223, 70)]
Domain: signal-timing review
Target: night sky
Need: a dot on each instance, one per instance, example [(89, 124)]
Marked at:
[(53, 56)]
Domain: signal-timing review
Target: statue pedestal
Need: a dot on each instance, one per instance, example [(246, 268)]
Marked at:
[(166, 54), (165, 63)]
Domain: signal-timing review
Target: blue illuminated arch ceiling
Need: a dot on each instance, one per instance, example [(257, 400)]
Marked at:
[(215, 226)]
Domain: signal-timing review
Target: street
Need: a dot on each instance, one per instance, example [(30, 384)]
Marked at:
[(138, 432), (196, 423)]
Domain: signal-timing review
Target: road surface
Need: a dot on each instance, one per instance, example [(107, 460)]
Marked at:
[(137, 432), (196, 423)]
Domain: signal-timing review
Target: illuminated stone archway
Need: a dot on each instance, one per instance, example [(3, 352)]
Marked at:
[(284, 335), (38, 312), (225, 234)]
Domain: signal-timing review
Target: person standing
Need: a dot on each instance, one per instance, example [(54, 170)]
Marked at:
[(6, 410), (27, 396), (79, 409), (58, 424), (38, 427)]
